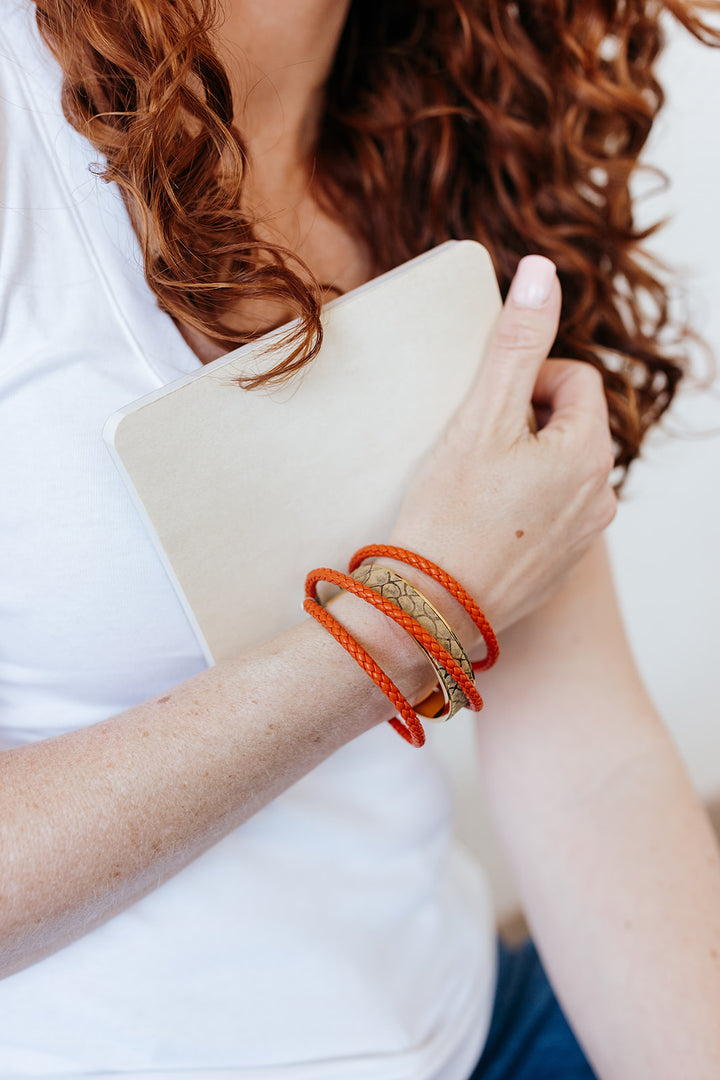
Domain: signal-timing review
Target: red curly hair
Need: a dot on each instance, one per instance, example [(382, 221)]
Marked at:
[(517, 123)]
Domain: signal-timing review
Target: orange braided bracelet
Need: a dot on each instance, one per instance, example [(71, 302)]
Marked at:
[(373, 551), (408, 623), (412, 730), (448, 696)]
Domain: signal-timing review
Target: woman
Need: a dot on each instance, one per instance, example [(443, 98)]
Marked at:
[(334, 934)]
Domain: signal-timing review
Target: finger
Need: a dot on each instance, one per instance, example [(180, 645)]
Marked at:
[(570, 392), (522, 338)]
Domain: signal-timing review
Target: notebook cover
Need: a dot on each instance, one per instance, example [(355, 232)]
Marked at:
[(243, 492)]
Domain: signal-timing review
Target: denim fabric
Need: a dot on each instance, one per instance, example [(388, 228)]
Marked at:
[(529, 1037)]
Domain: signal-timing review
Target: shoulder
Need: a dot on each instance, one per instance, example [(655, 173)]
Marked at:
[(32, 188), (25, 67), (30, 78)]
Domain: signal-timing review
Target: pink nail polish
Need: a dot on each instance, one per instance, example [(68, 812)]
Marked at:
[(533, 282)]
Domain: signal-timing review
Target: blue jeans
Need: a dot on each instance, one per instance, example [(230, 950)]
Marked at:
[(529, 1037)]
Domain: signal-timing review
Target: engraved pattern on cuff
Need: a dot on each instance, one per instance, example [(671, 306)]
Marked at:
[(400, 592)]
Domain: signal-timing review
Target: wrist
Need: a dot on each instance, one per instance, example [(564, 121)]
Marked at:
[(390, 646), (451, 609)]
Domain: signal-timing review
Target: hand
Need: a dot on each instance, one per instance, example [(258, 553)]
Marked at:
[(505, 511)]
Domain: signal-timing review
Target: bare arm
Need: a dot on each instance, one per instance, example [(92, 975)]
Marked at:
[(615, 858), (92, 820)]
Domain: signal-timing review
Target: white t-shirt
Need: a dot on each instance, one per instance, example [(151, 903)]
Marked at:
[(382, 966)]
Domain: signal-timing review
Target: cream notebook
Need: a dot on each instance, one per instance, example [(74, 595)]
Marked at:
[(243, 492)]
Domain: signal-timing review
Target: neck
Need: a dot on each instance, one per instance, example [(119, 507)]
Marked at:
[(279, 54)]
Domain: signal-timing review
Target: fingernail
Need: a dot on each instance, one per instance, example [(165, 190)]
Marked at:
[(533, 282)]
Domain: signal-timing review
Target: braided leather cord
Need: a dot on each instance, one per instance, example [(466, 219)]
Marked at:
[(395, 588), (412, 730), (373, 551), (408, 623)]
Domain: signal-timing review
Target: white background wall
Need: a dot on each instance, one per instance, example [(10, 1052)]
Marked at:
[(665, 542)]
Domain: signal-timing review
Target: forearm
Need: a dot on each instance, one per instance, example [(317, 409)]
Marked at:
[(619, 874), (92, 820), (616, 862)]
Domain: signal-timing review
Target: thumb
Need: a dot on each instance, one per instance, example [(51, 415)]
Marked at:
[(522, 338)]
